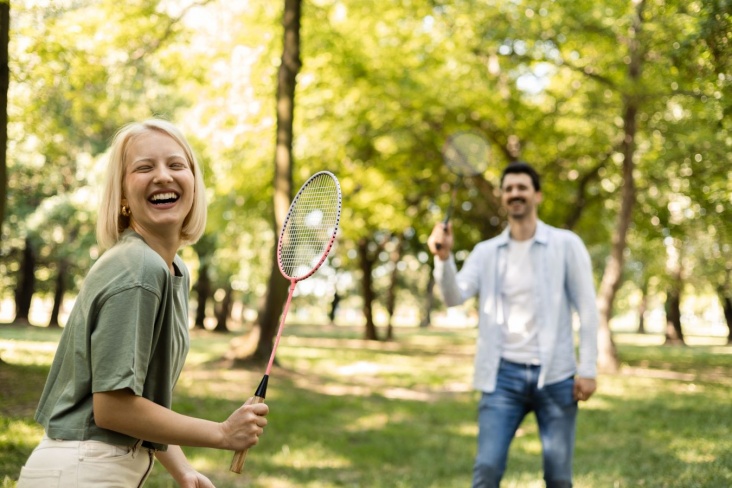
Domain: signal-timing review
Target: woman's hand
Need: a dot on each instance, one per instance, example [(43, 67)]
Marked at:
[(243, 427), (194, 479)]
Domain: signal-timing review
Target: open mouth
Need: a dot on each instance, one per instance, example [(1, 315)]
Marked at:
[(163, 198)]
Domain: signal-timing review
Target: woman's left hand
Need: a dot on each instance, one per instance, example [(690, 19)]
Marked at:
[(194, 479)]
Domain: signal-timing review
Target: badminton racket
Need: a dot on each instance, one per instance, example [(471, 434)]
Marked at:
[(465, 154), (306, 238)]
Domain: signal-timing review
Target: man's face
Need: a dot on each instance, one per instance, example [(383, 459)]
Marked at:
[(518, 195)]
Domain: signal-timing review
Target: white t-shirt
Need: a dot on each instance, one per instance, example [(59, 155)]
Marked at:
[(520, 335)]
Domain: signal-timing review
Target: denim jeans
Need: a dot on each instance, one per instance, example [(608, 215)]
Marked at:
[(501, 412)]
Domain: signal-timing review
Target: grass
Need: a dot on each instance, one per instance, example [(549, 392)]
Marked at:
[(351, 413)]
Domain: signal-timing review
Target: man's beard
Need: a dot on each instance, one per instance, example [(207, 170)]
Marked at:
[(520, 214)]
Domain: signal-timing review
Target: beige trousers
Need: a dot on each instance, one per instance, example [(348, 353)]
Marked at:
[(82, 464)]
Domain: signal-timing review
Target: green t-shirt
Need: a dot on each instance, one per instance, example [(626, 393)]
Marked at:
[(127, 329)]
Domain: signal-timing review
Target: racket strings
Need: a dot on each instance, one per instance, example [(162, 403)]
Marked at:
[(467, 154), (310, 227)]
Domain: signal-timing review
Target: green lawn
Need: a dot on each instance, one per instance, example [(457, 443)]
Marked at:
[(351, 413)]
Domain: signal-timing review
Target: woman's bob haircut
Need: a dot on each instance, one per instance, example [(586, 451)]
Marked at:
[(111, 223)]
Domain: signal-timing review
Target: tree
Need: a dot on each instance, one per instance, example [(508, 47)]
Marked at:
[(267, 321), (4, 84)]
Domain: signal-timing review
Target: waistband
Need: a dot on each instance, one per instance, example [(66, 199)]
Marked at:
[(73, 443)]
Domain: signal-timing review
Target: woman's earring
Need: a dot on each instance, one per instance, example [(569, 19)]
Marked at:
[(125, 211)]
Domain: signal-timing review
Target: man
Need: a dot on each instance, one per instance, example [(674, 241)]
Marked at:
[(529, 280)]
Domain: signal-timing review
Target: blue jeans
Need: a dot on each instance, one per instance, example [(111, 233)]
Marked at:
[(501, 412)]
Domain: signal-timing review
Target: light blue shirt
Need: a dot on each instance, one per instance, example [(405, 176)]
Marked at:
[(563, 285)]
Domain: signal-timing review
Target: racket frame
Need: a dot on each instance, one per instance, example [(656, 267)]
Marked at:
[(237, 463), (474, 170)]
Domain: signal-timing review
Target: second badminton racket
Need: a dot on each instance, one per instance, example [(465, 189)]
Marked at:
[(465, 154)]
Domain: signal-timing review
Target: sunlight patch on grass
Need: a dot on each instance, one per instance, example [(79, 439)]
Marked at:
[(362, 368), (465, 429), (20, 433), (369, 422), (530, 446), (276, 482), (312, 457), (27, 352), (695, 457), (726, 349)]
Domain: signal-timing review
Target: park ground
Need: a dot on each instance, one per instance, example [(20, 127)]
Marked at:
[(352, 413)]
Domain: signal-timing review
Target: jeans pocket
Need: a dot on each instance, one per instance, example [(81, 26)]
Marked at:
[(38, 478), (95, 451)]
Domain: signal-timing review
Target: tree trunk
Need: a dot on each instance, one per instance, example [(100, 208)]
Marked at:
[(611, 278), (4, 84), (727, 307), (58, 296), (394, 257), (269, 314), (429, 301), (642, 307), (223, 310), (367, 288), (203, 293), (674, 268), (334, 306), (674, 334), (26, 284)]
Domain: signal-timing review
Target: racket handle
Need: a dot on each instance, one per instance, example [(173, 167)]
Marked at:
[(237, 463), (438, 245)]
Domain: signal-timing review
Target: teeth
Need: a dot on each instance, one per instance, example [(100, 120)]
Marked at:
[(164, 196)]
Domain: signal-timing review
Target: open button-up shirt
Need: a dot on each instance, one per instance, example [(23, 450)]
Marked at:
[(563, 285)]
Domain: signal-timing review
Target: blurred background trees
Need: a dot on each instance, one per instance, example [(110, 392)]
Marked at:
[(624, 107)]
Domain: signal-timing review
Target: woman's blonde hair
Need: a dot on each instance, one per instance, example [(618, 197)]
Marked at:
[(111, 223)]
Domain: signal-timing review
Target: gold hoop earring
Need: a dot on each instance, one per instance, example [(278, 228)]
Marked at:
[(125, 211)]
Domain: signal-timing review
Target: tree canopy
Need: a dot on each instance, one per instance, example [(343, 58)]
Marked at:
[(378, 93)]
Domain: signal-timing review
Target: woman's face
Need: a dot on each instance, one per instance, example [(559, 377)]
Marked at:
[(158, 185)]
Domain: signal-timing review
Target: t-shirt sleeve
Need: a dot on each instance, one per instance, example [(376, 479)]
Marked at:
[(122, 340)]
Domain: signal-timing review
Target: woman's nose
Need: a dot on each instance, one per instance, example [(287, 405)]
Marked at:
[(162, 174)]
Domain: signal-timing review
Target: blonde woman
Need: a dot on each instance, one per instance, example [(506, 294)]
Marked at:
[(106, 406)]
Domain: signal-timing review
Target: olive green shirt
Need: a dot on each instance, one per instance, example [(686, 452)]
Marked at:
[(127, 330)]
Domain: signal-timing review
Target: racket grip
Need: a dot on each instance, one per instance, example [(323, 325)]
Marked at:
[(438, 245), (237, 463)]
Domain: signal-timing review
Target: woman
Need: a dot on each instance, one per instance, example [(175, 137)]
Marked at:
[(106, 404)]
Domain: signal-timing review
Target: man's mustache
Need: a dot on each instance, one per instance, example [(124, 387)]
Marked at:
[(517, 199)]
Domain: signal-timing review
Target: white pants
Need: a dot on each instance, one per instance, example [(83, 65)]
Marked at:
[(82, 464)]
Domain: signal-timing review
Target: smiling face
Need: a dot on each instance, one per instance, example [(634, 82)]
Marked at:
[(519, 197), (158, 185)]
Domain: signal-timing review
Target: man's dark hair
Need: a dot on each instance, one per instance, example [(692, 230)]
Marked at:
[(519, 167)]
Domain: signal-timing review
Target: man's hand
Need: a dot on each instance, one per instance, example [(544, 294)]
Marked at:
[(442, 236), (584, 388)]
